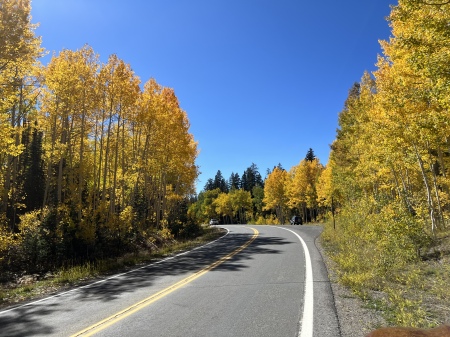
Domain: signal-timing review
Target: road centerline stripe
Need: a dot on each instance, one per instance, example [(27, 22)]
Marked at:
[(103, 324)]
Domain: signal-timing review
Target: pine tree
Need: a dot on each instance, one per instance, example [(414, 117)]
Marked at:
[(220, 183), (235, 181), (209, 186), (310, 155), (32, 175), (251, 178)]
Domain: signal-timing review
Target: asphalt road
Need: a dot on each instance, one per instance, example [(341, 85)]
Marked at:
[(250, 282)]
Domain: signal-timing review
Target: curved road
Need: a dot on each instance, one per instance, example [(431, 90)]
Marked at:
[(250, 282)]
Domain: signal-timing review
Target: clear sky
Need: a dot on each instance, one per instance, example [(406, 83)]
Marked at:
[(262, 81)]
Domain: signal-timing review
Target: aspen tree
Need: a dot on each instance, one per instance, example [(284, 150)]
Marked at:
[(241, 202), (224, 206), (19, 51), (69, 101), (275, 194), (120, 92), (301, 186), (413, 91), (167, 151)]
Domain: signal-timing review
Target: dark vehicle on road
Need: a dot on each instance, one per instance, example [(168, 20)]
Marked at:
[(296, 220)]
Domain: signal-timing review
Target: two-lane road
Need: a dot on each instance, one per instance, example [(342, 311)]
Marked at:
[(250, 282)]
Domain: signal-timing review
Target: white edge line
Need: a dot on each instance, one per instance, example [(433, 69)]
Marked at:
[(306, 324), (112, 277)]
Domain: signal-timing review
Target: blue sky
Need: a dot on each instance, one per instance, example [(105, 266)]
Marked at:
[(262, 81)]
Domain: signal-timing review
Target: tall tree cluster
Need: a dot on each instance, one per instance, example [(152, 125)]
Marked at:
[(89, 160), (393, 139), (233, 200), (294, 191), (388, 172)]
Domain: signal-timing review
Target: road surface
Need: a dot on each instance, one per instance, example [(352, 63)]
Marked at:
[(254, 281)]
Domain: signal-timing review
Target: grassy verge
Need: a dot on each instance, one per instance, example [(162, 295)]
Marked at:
[(414, 293), (35, 286)]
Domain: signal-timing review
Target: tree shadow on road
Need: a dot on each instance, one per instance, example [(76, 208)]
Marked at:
[(33, 319)]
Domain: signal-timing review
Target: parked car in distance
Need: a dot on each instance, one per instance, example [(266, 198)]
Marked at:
[(213, 222), (296, 220)]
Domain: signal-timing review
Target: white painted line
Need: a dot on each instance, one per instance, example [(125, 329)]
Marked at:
[(306, 324), (111, 277)]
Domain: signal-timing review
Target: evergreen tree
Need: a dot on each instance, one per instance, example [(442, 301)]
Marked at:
[(32, 174), (244, 181), (235, 181), (279, 166), (251, 178), (209, 186), (258, 180), (220, 183), (310, 156)]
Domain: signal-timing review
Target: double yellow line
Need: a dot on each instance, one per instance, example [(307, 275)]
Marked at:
[(103, 324)]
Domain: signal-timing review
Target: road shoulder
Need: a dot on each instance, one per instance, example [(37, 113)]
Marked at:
[(355, 318)]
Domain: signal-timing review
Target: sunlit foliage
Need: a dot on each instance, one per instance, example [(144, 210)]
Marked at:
[(90, 162), (275, 195), (388, 173)]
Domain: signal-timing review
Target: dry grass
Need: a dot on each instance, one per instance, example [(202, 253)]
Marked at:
[(433, 282), (415, 294)]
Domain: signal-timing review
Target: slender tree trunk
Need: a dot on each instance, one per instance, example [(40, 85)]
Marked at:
[(407, 192), (100, 160), (50, 162), (123, 165), (81, 168), (140, 169), (108, 139), (11, 167), (113, 191), (94, 173), (428, 190), (164, 199), (157, 201), (401, 194), (445, 187), (70, 156), (436, 192), (332, 212), (63, 141)]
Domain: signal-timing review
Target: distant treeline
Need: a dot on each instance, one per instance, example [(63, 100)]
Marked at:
[(251, 199)]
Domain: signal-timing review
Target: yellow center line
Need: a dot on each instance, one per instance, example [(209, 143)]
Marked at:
[(103, 324)]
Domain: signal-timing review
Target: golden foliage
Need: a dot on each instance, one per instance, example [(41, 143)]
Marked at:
[(389, 165), (275, 193), (114, 160)]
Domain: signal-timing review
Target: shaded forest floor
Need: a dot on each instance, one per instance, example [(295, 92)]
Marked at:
[(31, 287)]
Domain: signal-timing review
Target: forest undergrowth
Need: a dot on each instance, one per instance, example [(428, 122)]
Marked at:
[(407, 288)]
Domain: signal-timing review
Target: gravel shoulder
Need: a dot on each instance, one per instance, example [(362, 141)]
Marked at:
[(355, 318)]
